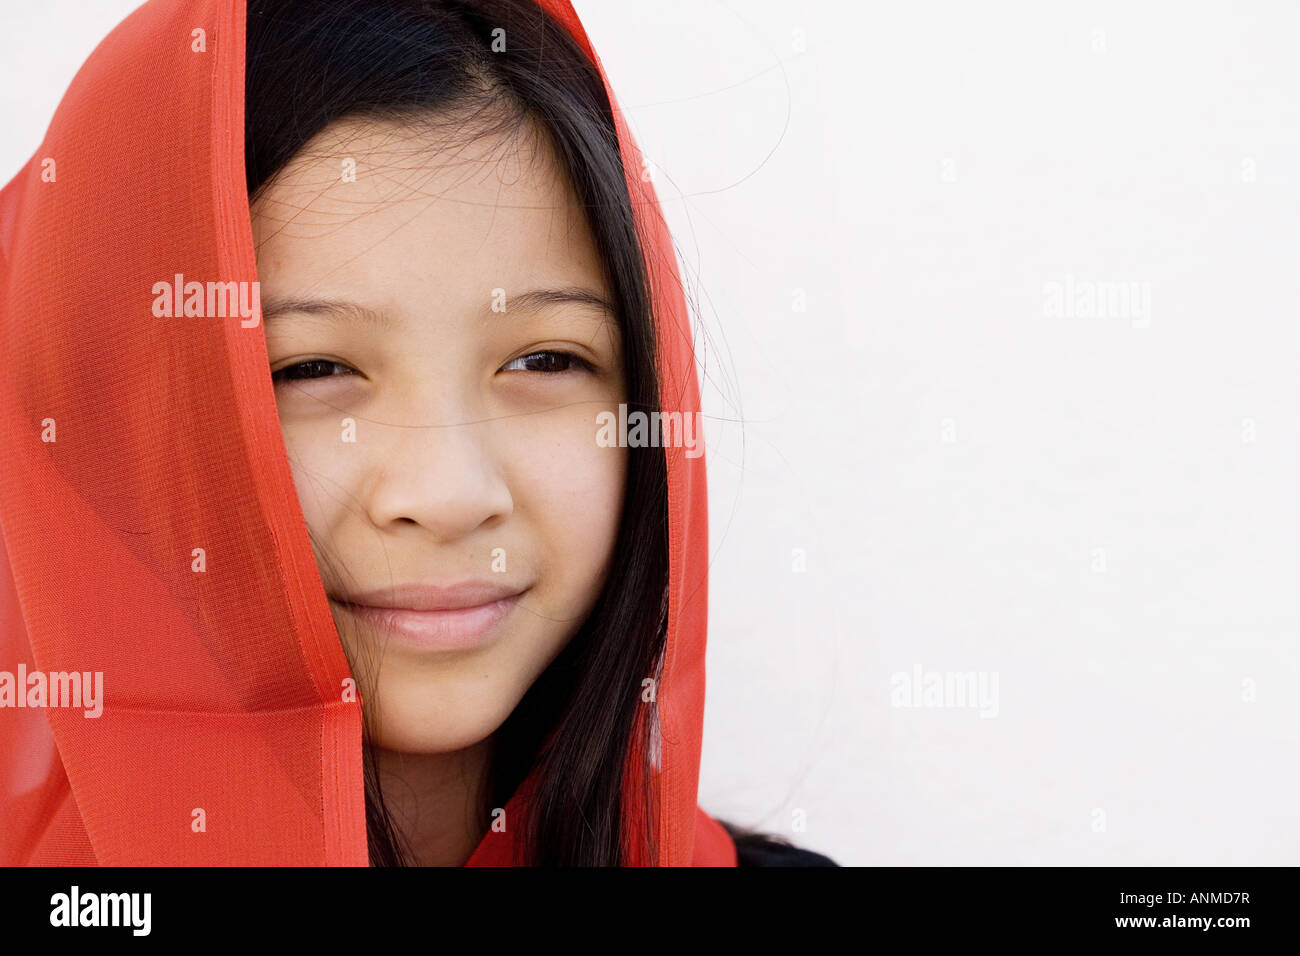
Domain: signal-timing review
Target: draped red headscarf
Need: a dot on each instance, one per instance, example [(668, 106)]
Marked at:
[(132, 441)]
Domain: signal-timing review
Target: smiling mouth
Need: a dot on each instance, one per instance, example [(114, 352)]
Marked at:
[(449, 629)]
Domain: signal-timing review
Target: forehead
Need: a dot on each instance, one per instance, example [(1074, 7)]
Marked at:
[(425, 211)]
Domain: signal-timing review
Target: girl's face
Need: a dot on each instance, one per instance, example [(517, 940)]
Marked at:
[(440, 352)]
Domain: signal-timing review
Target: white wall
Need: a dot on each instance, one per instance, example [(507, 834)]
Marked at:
[(1097, 511)]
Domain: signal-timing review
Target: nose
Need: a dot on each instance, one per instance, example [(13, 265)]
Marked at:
[(445, 478)]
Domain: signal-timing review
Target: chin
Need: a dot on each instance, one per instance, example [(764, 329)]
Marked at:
[(435, 721), (422, 740)]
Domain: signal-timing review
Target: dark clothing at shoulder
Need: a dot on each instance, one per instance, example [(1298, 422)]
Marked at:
[(771, 853), (759, 849)]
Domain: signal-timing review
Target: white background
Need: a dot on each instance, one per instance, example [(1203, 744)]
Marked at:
[(947, 453)]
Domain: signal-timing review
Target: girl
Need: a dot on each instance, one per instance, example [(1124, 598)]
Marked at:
[(364, 583)]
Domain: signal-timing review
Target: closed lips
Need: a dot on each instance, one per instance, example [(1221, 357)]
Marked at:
[(439, 619), (423, 597)]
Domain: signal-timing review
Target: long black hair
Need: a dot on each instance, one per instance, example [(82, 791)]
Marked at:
[(489, 66)]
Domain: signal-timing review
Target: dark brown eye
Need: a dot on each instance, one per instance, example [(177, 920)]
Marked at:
[(545, 362), (316, 368)]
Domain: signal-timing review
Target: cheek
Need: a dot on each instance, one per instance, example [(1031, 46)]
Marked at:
[(322, 475), (570, 491)]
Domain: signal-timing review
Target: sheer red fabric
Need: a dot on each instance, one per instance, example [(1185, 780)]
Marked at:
[(140, 449)]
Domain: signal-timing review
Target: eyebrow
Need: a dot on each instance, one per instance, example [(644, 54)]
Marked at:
[(531, 301)]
